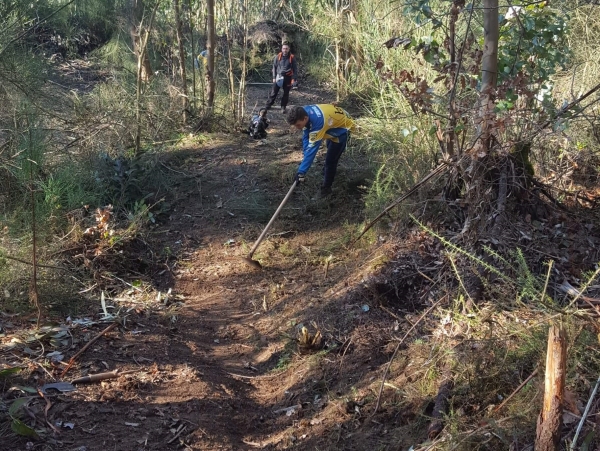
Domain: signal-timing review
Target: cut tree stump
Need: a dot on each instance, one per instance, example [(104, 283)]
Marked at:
[(550, 419)]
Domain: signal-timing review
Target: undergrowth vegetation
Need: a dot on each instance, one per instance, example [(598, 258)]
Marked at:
[(483, 348)]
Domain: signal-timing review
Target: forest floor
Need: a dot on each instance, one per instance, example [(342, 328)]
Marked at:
[(209, 346)]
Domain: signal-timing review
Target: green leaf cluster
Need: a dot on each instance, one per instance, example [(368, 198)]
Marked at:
[(533, 44)]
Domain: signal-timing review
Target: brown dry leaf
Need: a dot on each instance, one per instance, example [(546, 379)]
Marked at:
[(570, 402), (102, 217), (569, 418)]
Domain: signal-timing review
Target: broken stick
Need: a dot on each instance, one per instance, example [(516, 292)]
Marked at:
[(89, 343), (550, 419), (101, 376), (516, 390)]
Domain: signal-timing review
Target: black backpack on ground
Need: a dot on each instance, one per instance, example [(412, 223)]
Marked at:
[(258, 126)]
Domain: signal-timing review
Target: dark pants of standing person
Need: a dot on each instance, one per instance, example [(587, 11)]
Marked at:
[(287, 85), (334, 152)]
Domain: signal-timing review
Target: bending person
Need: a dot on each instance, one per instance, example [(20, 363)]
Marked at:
[(318, 123)]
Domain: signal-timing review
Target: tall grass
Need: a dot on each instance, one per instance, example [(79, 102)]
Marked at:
[(390, 133), (578, 150), (402, 154)]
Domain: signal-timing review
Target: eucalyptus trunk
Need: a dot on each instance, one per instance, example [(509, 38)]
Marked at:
[(193, 47), (242, 87), (228, 13), (144, 34), (478, 164), (489, 77), (450, 134), (338, 73)]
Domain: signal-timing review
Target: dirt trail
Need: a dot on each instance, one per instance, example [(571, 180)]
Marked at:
[(219, 364), (231, 328)]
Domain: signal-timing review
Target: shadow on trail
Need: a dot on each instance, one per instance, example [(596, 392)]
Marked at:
[(222, 370), (244, 322)]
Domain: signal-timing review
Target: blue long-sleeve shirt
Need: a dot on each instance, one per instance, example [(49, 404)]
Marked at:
[(324, 122)]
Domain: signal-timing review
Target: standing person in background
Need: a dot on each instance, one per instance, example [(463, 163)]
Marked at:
[(285, 75), (319, 122)]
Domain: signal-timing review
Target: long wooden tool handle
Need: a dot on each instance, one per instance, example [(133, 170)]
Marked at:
[(441, 168), (268, 226)]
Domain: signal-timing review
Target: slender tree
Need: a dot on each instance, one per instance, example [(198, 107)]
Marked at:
[(229, 30), (193, 48), (142, 76), (137, 9), (210, 50), (242, 87), (483, 136), (489, 78), (184, 91)]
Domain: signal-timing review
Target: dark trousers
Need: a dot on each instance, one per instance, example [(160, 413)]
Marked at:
[(334, 152), (287, 85)]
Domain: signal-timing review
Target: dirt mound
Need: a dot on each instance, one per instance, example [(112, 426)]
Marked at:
[(268, 35)]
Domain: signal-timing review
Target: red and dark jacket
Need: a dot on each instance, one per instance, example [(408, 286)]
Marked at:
[(285, 65)]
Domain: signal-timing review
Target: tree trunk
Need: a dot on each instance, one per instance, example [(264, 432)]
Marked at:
[(242, 87), (191, 25), (229, 35), (210, 49), (178, 27), (550, 419), (449, 136), (489, 78), (474, 168), (338, 71), (142, 56), (33, 287), (281, 5)]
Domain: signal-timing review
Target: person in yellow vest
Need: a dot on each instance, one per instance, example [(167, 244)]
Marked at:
[(285, 76), (318, 123), (202, 57)]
